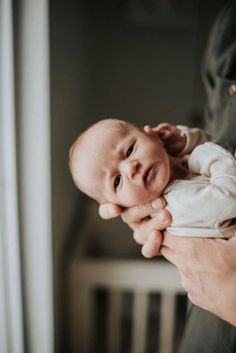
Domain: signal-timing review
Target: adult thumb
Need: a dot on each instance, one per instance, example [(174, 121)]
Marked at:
[(109, 210), (233, 238)]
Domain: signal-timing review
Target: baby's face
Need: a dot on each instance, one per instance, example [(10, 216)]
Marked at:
[(122, 165)]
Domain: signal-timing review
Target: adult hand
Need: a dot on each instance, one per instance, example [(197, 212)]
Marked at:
[(208, 271), (109, 210), (145, 220)]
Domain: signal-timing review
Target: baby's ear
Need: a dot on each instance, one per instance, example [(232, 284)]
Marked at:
[(152, 131)]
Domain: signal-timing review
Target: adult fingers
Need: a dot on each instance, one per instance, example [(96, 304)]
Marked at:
[(180, 243), (170, 255), (152, 246), (170, 240), (192, 248), (136, 213), (144, 228), (109, 210), (183, 252), (173, 249), (177, 259), (233, 239)]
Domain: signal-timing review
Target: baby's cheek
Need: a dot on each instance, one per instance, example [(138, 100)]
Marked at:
[(135, 197)]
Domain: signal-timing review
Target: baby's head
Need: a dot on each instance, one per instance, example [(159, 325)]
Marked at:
[(114, 161)]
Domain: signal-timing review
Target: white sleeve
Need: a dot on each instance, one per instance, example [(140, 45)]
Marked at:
[(205, 206), (195, 137), (217, 163)]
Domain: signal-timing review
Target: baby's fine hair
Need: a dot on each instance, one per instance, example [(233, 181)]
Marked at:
[(75, 148)]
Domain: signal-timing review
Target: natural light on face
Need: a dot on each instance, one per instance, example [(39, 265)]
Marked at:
[(123, 165)]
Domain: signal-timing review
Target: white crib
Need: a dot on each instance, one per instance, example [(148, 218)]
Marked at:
[(140, 277)]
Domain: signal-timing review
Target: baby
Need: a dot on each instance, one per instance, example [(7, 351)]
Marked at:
[(114, 161)]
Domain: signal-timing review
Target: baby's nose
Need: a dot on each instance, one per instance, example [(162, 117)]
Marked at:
[(131, 168)]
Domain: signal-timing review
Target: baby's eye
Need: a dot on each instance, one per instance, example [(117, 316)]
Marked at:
[(117, 181), (129, 150)]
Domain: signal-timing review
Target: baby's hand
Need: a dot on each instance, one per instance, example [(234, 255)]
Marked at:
[(173, 139)]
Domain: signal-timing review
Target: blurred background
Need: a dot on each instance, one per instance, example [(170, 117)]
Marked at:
[(63, 66)]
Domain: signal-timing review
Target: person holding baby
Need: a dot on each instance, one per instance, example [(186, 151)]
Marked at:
[(207, 261)]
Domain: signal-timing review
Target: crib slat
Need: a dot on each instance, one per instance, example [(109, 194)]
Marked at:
[(114, 321), (84, 332), (139, 322), (167, 323), (138, 277)]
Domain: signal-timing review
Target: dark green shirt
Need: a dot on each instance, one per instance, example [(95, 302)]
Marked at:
[(219, 77), (204, 332)]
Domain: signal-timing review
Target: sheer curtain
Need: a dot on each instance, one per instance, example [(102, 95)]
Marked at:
[(26, 295)]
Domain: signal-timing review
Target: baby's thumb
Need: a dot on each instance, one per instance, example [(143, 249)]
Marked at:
[(109, 210)]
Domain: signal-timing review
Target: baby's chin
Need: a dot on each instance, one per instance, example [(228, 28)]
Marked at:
[(139, 201)]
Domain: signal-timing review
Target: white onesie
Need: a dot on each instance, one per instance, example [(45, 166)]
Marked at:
[(205, 206)]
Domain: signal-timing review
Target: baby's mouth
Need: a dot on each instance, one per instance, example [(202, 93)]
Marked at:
[(147, 175)]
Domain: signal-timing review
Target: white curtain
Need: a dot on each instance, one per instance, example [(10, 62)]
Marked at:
[(26, 294), (11, 329)]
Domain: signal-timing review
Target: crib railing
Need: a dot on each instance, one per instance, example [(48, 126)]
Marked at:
[(118, 276)]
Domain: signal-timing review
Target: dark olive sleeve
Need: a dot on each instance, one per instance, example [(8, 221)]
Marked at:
[(219, 77)]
